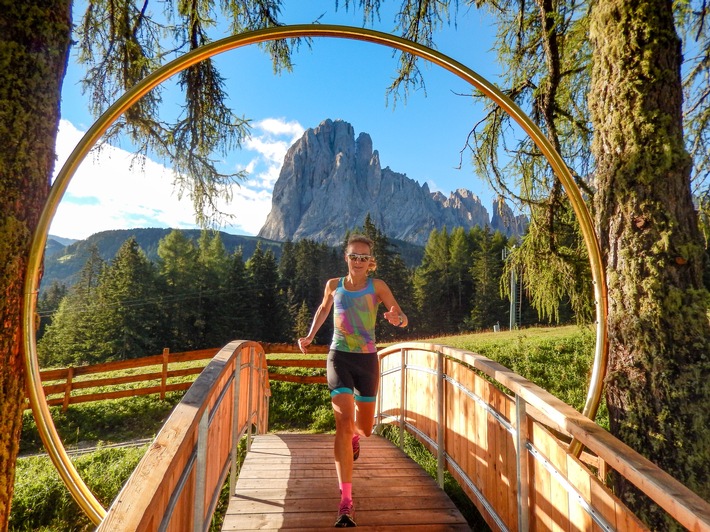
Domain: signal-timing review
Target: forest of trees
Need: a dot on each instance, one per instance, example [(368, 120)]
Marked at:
[(198, 295)]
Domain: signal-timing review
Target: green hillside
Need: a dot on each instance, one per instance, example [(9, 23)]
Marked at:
[(63, 263)]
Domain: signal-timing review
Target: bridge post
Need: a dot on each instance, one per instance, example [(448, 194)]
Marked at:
[(250, 386), (201, 472), (164, 373), (235, 423), (265, 398), (521, 455), (403, 398), (441, 444)]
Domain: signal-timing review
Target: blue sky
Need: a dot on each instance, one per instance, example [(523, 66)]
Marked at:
[(334, 78)]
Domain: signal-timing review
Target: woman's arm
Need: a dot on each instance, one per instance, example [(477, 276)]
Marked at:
[(320, 316), (394, 314)]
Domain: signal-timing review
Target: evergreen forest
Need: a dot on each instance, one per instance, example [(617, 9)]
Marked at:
[(198, 295)]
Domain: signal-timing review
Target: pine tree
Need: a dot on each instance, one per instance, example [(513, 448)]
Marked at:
[(305, 267), (488, 307), (179, 270), (127, 313), (48, 304), (212, 328), (270, 310), (302, 322), (67, 340), (432, 285), (240, 305), (460, 259)]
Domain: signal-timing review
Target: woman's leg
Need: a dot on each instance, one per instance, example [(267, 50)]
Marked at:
[(364, 417), (344, 410)]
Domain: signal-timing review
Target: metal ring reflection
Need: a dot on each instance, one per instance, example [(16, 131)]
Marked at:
[(86, 500)]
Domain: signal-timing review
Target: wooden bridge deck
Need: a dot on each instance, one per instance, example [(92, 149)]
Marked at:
[(288, 481)]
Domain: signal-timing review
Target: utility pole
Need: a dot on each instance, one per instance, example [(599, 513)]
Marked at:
[(513, 290)]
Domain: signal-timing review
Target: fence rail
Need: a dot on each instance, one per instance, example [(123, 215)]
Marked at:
[(153, 375)]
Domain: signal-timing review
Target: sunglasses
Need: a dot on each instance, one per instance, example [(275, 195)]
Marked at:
[(356, 257)]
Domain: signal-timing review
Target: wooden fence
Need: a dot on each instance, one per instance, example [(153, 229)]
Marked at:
[(155, 374)]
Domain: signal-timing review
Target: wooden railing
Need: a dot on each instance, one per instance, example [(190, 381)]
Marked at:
[(506, 451), (502, 438), (153, 375), (176, 485)]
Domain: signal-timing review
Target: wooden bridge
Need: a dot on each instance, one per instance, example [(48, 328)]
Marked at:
[(502, 438), (288, 481)]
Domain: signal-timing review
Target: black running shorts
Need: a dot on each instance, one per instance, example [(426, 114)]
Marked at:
[(354, 373)]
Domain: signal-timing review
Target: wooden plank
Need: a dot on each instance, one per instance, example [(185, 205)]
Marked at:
[(511, 468), (120, 393), (503, 441), (579, 478), (559, 497), (288, 481), (298, 363), (293, 348), (541, 509), (302, 379)]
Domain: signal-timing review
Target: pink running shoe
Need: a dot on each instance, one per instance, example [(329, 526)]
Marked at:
[(345, 515)]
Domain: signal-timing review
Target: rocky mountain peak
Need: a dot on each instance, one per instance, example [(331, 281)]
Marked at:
[(330, 181)]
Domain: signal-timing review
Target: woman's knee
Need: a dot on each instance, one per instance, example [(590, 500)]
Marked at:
[(343, 410)]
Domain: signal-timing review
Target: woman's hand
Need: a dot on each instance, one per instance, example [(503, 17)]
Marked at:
[(394, 317), (303, 343)]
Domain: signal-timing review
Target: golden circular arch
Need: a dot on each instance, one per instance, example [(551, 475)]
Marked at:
[(38, 401)]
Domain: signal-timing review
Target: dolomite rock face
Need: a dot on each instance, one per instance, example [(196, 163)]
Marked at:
[(330, 181), (504, 220)]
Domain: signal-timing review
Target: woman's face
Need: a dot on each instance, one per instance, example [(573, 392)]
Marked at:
[(358, 257)]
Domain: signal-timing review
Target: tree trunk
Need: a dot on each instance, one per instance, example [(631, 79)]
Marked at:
[(658, 385), (34, 44)]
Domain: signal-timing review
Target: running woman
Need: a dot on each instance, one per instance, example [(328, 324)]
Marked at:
[(353, 365)]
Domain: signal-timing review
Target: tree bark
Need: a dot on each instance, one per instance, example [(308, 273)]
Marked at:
[(34, 45), (658, 384)]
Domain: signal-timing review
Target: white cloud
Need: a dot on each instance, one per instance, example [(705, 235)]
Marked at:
[(278, 126), (113, 190), (271, 139), (270, 149)]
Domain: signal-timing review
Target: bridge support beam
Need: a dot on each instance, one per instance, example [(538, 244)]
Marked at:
[(521, 451)]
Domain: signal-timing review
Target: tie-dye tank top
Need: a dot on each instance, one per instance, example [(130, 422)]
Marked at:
[(354, 315)]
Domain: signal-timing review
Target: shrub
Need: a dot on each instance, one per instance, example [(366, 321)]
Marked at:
[(296, 406), (112, 421), (42, 502)]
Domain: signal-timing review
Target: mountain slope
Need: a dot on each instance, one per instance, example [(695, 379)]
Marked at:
[(63, 263)]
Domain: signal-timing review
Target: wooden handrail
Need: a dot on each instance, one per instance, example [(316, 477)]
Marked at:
[(176, 484), (540, 408)]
